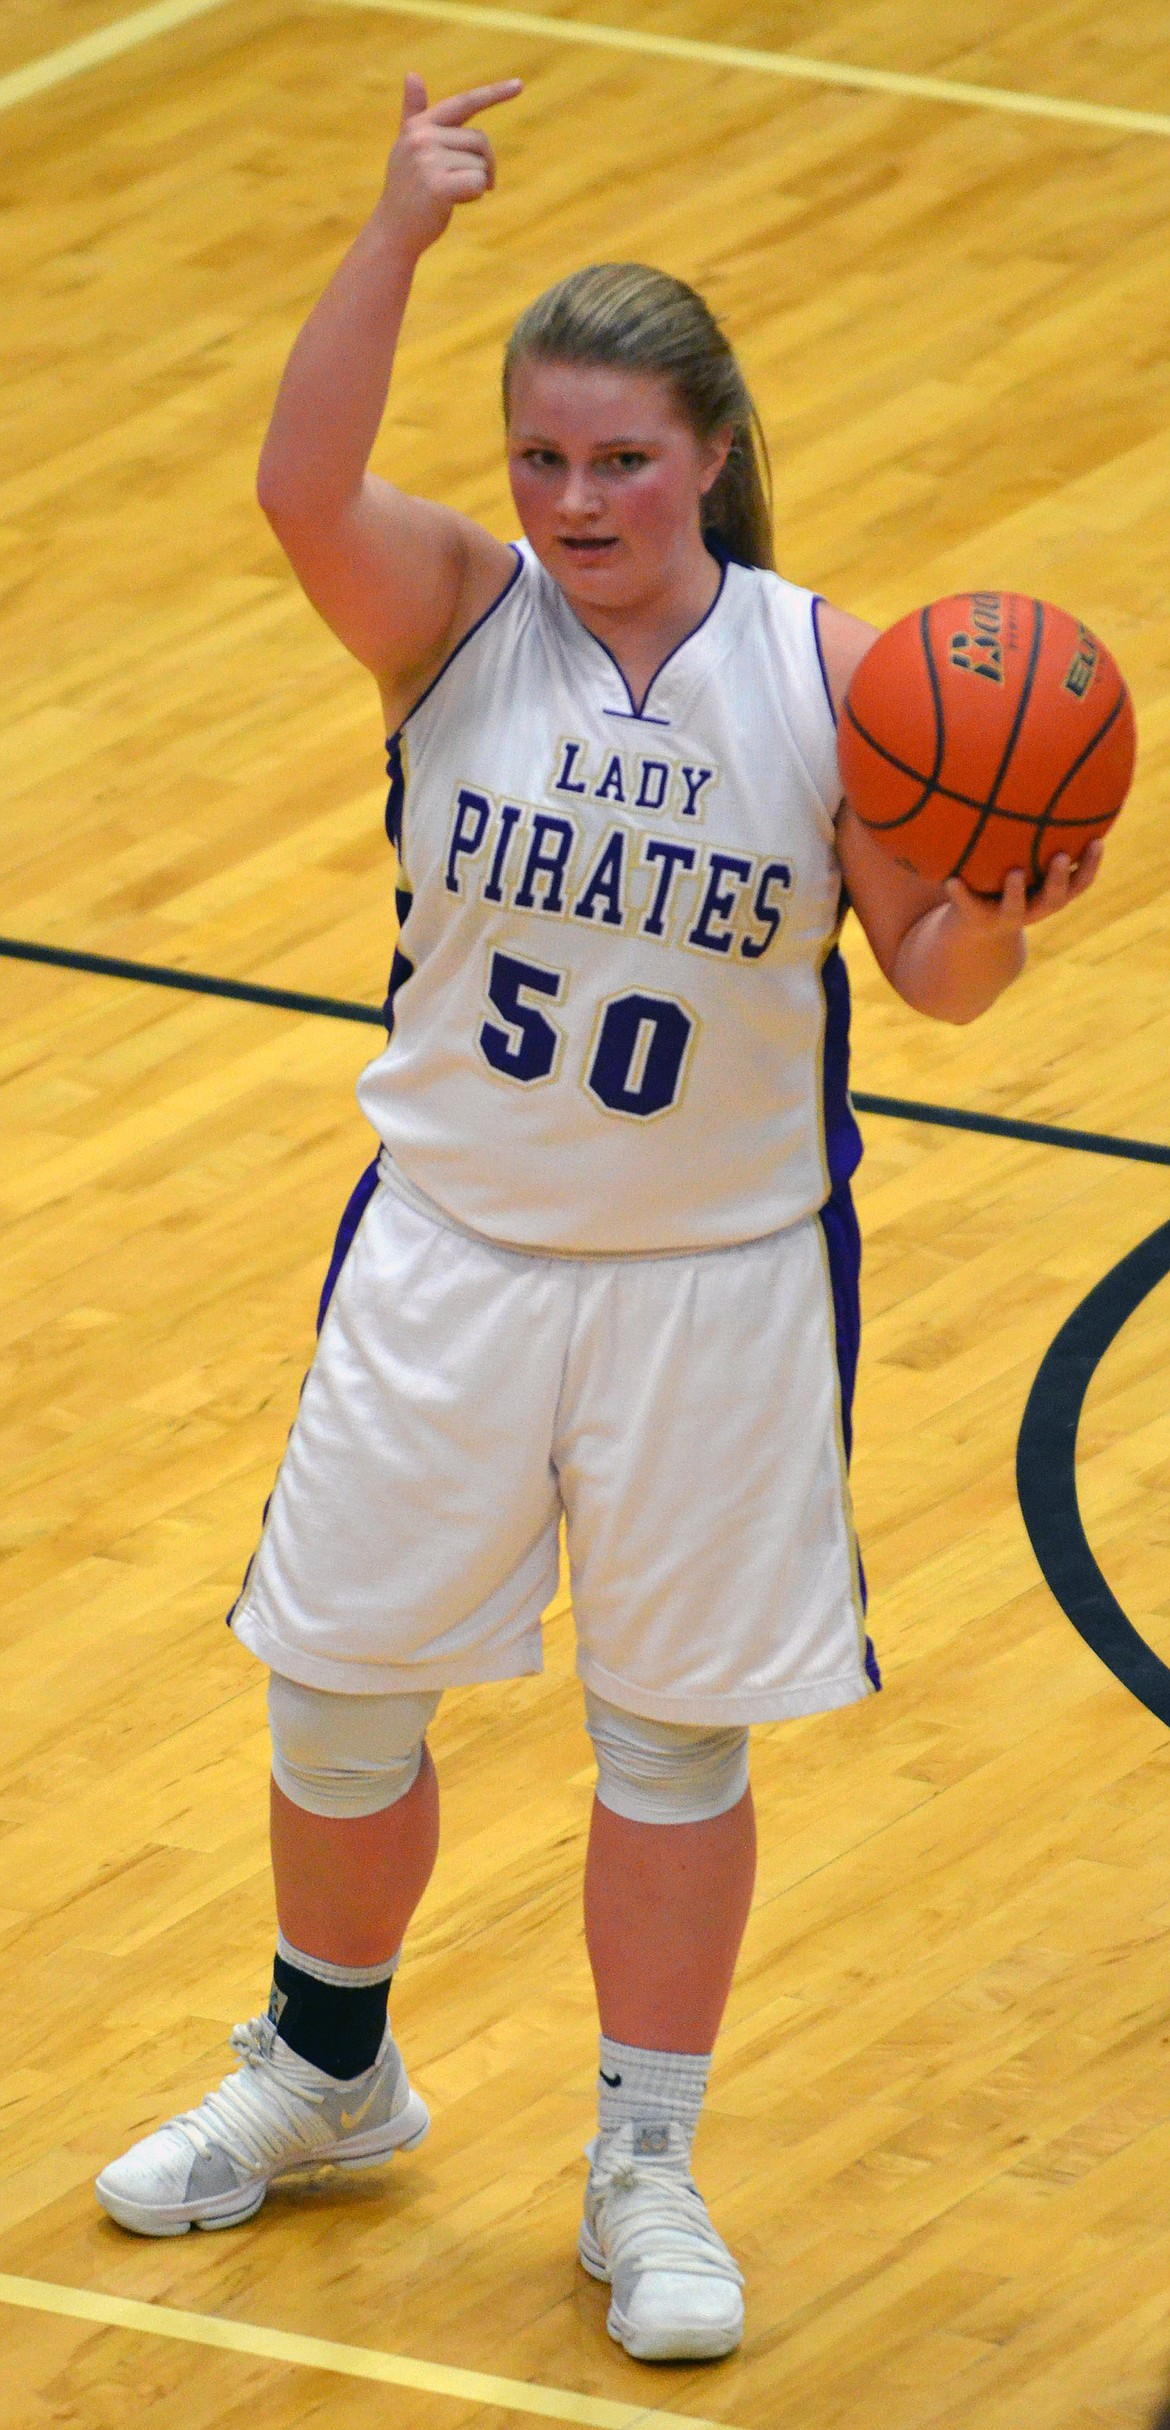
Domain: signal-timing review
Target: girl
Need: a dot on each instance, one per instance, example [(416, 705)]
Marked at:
[(605, 1267)]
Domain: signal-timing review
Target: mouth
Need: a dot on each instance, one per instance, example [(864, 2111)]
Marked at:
[(586, 549)]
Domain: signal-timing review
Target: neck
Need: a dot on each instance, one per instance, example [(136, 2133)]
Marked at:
[(642, 632)]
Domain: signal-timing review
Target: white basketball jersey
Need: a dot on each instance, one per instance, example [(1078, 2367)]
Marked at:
[(615, 1009)]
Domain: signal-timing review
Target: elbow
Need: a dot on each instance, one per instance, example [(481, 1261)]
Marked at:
[(294, 517), (952, 1011), (955, 1008), (958, 1007), (274, 491)]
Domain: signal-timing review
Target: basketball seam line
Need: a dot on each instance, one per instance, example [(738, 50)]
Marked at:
[(885, 826), (940, 734), (950, 793), (940, 738), (969, 801), (988, 809), (1047, 818)]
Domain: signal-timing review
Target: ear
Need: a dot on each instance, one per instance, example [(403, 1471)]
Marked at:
[(714, 453)]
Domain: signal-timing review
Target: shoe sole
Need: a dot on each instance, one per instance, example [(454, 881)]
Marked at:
[(401, 2134), (680, 2345)]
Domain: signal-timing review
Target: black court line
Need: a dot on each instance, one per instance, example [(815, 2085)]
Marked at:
[(343, 1008), (1005, 1126), (196, 982), (1046, 1474)]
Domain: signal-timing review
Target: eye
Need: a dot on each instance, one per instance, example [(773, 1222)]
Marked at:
[(542, 459), (628, 459)]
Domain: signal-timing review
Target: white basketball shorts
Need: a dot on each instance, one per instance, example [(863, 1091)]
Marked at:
[(684, 1413)]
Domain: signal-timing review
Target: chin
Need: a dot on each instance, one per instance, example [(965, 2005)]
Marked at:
[(573, 576), (613, 598), (591, 577)]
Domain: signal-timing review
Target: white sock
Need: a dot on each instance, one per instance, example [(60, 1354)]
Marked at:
[(342, 1978), (650, 2087)]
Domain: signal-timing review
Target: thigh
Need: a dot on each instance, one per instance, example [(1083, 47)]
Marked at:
[(703, 1470), (411, 1536)]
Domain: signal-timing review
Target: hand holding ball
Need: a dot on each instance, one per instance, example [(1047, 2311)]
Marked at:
[(987, 733)]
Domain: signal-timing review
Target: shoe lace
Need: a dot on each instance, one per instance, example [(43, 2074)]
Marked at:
[(656, 2218), (260, 2110)]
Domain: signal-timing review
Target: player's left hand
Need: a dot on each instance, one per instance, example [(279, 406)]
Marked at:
[(1015, 908)]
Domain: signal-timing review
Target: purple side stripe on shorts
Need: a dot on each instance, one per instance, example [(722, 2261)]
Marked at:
[(838, 1221), (356, 1205)]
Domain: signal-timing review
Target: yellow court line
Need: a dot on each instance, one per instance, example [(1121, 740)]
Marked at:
[(352, 2362), (107, 43), (775, 63)]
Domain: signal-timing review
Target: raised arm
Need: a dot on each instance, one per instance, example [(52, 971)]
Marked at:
[(396, 577), (947, 951)]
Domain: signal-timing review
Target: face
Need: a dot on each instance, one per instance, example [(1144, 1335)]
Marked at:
[(608, 479)]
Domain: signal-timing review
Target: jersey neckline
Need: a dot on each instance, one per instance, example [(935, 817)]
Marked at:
[(638, 711), (528, 561)]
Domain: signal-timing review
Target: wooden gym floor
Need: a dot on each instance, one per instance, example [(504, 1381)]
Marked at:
[(939, 2128)]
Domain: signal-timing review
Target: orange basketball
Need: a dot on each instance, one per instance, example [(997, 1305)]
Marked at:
[(987, 733)]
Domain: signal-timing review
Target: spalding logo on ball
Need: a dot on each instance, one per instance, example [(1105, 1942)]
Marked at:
[(987, 733)]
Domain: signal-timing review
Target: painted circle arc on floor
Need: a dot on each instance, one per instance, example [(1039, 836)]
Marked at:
[(1046, 1474)]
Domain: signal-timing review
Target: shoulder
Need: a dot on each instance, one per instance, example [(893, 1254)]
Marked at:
[(490, 573), (814, 634), (785, 677)]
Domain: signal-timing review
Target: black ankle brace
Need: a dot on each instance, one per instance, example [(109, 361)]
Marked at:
[(336, 2026)]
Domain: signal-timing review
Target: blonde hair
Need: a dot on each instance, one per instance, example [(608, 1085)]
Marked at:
[(643, 320)]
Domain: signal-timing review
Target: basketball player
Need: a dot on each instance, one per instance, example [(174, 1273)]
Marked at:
[(606, 1264)]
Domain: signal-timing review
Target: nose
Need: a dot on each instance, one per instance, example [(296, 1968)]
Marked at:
[(580, 497)]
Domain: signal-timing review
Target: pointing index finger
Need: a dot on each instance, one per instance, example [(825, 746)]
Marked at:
[(456, 111)]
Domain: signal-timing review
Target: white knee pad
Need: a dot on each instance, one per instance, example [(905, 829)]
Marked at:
[(345, 1755), (664, 1771)]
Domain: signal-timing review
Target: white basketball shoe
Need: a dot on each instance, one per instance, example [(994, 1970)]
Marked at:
[(676, 2289), (212, 2167)]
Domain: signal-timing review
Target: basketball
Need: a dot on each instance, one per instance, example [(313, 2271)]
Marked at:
[(987, 733)]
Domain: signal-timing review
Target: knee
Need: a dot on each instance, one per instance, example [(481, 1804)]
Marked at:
[(664, 1771), (345, 1756)]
